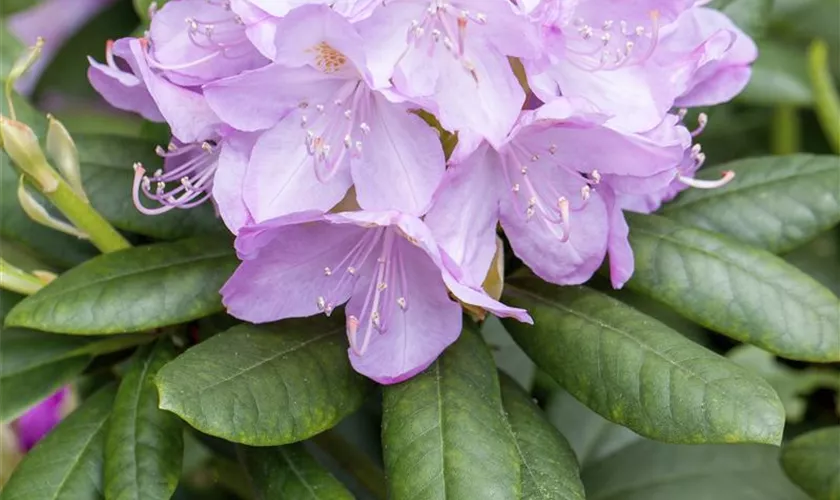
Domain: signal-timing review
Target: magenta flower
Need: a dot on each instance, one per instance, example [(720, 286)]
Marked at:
[(451, 57), (554, 186), (385, 265), (39, 420), (325, 127)]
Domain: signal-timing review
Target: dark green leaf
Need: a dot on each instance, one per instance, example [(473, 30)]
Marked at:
[(132, 290), (779, 76), (67, 463), (144, 445), (107, 174), (289, 472), (812, 461), (775, 203), (648, 470), (637, 372), (740, 291), (592, 437), (751, 16), (549, 468), (35, 364), (265, 385), (820, 259), (444, 433)]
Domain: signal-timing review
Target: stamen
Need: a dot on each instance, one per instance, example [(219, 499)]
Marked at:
[(704, 184)]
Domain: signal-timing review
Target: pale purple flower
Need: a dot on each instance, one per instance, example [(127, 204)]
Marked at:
[(53, 21), (325, 127), (386, 266), (197, 172), (661, 189), (193, 42), (553, 186), (634, 60), (451, 57), (727, 53), (127, 81), (39, 420)]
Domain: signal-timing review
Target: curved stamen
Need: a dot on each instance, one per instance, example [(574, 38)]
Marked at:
[(704, 184), (194, 177)]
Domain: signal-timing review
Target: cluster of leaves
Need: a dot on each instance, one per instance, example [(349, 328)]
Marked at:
[(635, 397)]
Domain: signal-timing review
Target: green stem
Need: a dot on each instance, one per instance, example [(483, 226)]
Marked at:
[(825, 94), (786, 130), (353, 461), (15, 280), (101, 233)]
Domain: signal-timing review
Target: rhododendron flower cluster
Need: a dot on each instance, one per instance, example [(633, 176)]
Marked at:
[(315, 128)]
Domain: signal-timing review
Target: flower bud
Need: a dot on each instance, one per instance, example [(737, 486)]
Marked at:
[(62, 150), (21, 144)]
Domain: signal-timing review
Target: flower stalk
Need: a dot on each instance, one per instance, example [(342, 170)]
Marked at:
[(21, 144), (825, 94)]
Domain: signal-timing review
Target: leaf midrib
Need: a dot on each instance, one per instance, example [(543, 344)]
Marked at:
[(82, 451), (297, 473), (713, 256), (271, 358), (41, 297), (643, 345)]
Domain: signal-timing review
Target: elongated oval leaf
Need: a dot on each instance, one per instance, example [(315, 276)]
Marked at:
[(637, 372), (812, 461), (35, 364), (549, 468), (132, 290), (775, 203), (144, 445), (106, 165), (737, 290), (648, 470), (289, 472), (444, 433), (265, 385), (67, 463)]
